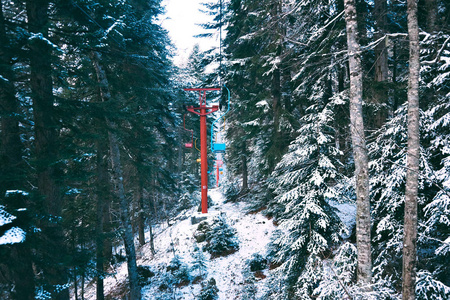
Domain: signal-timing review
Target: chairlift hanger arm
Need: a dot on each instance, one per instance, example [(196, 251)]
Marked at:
[(223, 115), (188, 145)]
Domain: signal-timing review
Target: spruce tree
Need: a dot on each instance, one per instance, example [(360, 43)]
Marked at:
[(303, 183)]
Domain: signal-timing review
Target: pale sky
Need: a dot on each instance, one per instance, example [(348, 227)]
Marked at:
[(180, 20)]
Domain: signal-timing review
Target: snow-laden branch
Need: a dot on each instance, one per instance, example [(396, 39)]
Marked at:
[(13, 236), (438, 54), (40, 36), (372, 45)]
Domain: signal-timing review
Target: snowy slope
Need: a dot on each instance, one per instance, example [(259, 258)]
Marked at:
[(253, 230)]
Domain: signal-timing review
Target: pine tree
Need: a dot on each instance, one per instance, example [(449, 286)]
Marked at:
[(221, 239), (435, 86), (388, 153), (303, 183), (342, 273), (199, 264), (46, 143), (209, 291)]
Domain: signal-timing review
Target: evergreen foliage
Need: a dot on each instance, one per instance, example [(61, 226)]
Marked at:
[(341, 274), (303, 181), (199, 265), (209, 291), (179, 270), (288, 143), (221, 239), (249, 289), (429, 288)]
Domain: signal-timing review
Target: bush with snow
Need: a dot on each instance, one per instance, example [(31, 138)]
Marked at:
[(171, 277), (231, 190), (209, 291), (180, 271), (340, 274), (221, 239), (249, 289), (199, 266), (145, 273), (304, 182), (257, 262)]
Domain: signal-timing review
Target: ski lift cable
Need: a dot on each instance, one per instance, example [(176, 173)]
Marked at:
[(220, 44), (221, 146), (223, 115)]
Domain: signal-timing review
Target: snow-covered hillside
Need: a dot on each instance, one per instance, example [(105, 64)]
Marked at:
[(253, 232)]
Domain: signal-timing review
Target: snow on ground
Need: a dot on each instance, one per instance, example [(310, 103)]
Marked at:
[(253, 230)]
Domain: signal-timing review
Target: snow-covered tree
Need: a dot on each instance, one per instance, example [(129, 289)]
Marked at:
[(388, 175), (209, 291), (199, 264), (435, 81), (303, 181), (221, 239), (341, 274), (388, 158)]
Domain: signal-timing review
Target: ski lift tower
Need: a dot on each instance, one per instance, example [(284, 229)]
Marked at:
[(203, 111)]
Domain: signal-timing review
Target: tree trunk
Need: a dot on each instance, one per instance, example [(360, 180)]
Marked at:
[(396, 101), (431, 8), (11, 146), (102, 199), (12, 174), (127, 235), (152, 244), (359, 148), (276, 100), (381, 64), (276, 76), (413, 155), (75, 284), (244, 170), (135, 290), (274, 151), (42, 95), (46, 146), (381, 59), (23, 275), (141, 215), (107, 226)]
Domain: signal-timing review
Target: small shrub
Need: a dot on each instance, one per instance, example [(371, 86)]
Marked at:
[(174, 275), (221, 239), (249, 290), (186, 201), (257, 262), (231, 191), (200, 234), (145, 273), (199, 265), (209, 291), (118, 258)]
